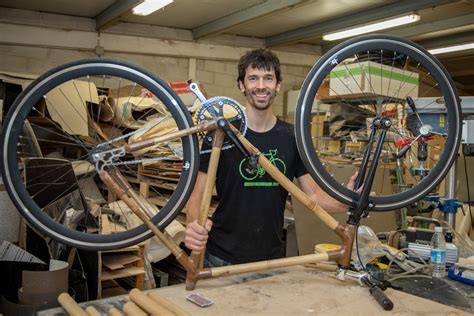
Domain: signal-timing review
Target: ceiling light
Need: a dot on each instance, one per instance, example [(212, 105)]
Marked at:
[(150, 6), (450, 49), (377, 26)]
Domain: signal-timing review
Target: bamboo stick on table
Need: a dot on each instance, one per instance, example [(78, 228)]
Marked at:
[(147, 304), (178, 311), (131, 309), (91, 311), (115, 312), (70, 305)]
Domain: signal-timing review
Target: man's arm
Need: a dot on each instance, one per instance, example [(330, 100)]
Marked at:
[(195, 236), (314, 191)]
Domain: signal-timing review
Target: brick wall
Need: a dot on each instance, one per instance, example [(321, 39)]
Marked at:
[(218, 77)]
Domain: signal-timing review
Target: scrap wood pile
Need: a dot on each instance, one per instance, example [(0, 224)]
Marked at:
[(85, 112), (112, 112), (127, 109)]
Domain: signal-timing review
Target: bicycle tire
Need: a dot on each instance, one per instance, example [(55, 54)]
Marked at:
[(109, 76), (401, 56)]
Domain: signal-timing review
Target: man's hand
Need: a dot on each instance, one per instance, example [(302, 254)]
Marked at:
[(351, 183), (195, 236)]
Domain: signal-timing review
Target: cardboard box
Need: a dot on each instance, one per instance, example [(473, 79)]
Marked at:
[(374, 79)]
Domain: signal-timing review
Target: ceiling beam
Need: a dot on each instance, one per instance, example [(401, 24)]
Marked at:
[(243, 16), (63, 41), (378, 13), (466, 37), (429, 27), (111, 14), (462, 72), (435, 26), (469, 87)]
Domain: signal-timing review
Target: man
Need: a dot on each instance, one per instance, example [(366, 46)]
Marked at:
[(247, 225)]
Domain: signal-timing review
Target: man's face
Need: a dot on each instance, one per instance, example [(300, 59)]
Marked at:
[(260, 86)]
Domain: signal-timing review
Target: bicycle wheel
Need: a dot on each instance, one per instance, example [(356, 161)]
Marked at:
[(356, 84), (75, 112)]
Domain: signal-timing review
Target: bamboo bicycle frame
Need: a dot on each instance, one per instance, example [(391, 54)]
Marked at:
[(193, 264)]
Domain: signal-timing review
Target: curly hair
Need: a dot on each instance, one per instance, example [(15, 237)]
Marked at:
[(261, 59)]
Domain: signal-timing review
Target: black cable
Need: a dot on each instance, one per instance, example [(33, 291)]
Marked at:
[(357, 248), (467, 187)]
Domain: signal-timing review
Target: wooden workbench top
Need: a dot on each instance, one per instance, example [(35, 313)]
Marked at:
[(291, 291)]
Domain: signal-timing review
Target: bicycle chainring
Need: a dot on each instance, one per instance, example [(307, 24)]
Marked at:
[(216, 107)]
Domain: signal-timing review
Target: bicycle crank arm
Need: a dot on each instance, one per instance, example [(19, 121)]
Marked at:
[(194, 87), (223, 124)]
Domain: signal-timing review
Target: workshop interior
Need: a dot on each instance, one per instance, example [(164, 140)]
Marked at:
[(110, 107)]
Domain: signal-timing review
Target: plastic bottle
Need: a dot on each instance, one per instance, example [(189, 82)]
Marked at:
[(438, 253)]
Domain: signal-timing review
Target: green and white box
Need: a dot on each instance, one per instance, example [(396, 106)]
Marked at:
[(371, 78)]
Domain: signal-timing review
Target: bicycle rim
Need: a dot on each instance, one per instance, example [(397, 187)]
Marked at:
[(80, 109), (366, 79)]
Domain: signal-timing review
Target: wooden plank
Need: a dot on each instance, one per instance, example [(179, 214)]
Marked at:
[(121, 273), (105, 224), (114, 262)]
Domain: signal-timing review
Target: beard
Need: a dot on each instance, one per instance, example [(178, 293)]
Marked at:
[(257, 101)]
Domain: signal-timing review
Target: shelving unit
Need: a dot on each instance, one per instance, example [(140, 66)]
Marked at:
[(121, 263)]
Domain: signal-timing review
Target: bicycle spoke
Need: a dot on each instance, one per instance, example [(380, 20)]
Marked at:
[(371, 81), (73, 136)]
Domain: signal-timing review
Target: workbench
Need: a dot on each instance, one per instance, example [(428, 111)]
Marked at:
[(290, 291)]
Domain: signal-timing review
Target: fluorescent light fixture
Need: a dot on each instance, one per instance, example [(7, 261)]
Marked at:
[(377, 26), (150, 6), (450, 49)]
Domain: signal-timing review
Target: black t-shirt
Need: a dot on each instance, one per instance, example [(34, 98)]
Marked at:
[(248, 222)]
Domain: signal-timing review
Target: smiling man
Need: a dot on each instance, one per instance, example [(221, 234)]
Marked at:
[(247, 225)]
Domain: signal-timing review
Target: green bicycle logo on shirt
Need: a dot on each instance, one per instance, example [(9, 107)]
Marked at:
[(259, 171)]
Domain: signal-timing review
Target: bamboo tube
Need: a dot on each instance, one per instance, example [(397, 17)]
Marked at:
[(168, 137), (70, 305), (90, 310), (122, 188), (115, 312), (131, 309), (196, 255), (263, 265), (273, 171), (147, 304), (178, 311), (297, 193), (211, 179)]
